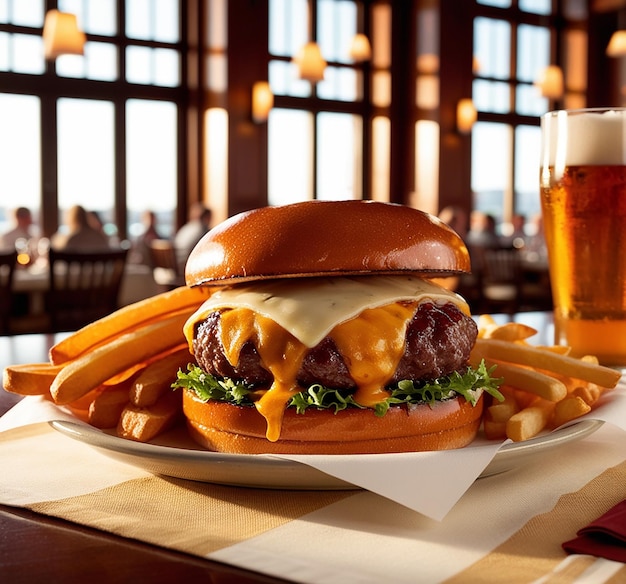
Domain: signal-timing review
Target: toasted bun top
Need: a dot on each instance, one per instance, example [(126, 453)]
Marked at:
[(321, 238)]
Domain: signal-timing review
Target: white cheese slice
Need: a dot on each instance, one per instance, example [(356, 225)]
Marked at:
[(309, 308)]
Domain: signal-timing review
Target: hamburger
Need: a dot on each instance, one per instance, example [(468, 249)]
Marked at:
[(325, 333)]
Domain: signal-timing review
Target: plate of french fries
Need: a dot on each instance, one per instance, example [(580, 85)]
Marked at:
[(114, 377), (544, 388)]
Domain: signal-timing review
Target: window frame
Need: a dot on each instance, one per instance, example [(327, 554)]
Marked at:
[(50, 87)]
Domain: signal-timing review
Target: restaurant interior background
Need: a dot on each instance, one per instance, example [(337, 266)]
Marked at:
[(441, 108)]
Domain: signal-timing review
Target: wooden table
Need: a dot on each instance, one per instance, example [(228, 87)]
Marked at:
[(36, 548)]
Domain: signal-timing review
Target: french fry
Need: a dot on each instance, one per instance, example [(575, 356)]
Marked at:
[(590, 393), (126, 374), (494, 430), (511, 331), (528, 422), (485, 324), (29, 379), (546, 360), (157, 378), (502, 411), (126, 319), (80, 407), (143, 424), (560, 349), (568, 409), (106, 408), (530, 380), (548, 386), (587, 391), (94, 368)]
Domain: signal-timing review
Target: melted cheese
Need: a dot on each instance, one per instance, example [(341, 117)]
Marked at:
[(280, 352), (365, 317), (309, 308), (372, 345)]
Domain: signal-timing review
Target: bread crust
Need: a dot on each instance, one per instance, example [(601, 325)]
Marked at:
[(224, 427), (320, 238)]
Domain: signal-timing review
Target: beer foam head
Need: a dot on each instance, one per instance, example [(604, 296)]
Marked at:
[(584, 137)]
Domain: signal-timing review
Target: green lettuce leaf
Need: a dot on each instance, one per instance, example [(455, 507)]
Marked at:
[(469, 384)]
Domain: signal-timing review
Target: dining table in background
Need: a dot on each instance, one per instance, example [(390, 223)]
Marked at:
[(519, 517)]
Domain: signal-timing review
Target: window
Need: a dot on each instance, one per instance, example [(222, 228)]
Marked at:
[(21, 53), (114, 142), (339, 166), (151, 159), (85, 156), (20, 145), (491, 167), (99, 63), (315, 141), (97, 18), (512, 46), (290, 172)]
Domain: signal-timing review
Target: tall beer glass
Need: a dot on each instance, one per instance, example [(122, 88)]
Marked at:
[(583, 198)]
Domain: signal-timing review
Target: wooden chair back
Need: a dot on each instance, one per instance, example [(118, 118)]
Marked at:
[(501, 280), (8, 261), (84, 286), (165, 268)]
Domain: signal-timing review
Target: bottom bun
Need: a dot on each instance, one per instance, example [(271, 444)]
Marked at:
[(224, 427)]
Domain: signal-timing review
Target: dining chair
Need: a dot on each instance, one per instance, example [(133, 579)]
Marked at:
[(166, 270), (84, 286), (8, 261), (501, 282)]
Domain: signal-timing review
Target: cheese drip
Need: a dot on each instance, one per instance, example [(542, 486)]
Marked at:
[(280, 353), (371, 345)]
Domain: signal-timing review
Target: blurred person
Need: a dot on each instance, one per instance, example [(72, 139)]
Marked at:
[(81, 236), (465, 284), (141, 246), (482, 231), (480, 237), (22, 228), (95, 221), (456, 218), (514, 233), (192, 232), (536, 241)]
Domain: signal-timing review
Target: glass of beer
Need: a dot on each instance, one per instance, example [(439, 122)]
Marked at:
[(583, 200)]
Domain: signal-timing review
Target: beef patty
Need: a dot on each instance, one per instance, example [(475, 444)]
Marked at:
[(439, 339)]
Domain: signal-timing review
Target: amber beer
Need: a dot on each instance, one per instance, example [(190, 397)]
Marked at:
[(583, 197)]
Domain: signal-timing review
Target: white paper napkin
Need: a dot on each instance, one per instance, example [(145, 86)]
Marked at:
[(430, 483)]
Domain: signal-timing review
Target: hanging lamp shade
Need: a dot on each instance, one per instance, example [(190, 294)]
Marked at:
[(310, 62), (550, 82), (617, 44), (61, 35), (360, 49), (466, 115), (262, 101)]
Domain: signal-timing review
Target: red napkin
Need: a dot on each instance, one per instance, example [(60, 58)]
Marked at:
[(604, 538)]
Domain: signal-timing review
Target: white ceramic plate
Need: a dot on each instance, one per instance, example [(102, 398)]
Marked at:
[(175, 455)]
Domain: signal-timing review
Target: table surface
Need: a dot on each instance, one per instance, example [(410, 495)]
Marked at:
[(36, 548)]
